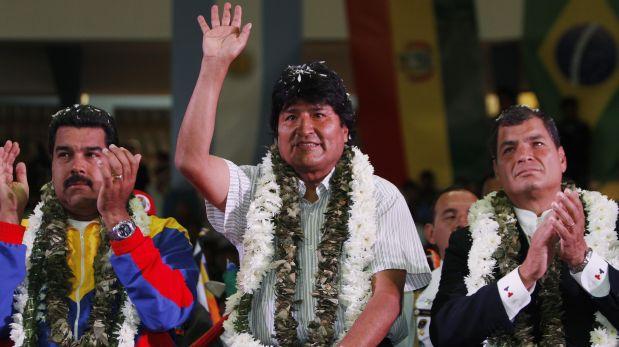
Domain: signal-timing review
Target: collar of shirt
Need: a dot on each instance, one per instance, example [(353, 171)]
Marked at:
[(80, 225), (322, 188), (529, 221)]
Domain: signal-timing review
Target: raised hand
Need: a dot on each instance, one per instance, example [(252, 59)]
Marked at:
[(541, 252), (14, 188), (570, 226), (224, 39), (119, 169)]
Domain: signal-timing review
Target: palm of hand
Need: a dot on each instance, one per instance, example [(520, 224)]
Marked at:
[(222, 41)]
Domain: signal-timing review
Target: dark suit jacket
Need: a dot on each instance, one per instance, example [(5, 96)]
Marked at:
[(461, 320)]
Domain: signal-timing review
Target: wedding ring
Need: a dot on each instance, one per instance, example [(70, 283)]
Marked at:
[(117, 177)]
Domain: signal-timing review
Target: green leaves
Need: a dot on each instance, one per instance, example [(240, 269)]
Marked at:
[(50, 278)]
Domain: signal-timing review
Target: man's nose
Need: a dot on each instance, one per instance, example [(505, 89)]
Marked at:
[(524, 153), (306, 126), (78, 165), (462, 221)]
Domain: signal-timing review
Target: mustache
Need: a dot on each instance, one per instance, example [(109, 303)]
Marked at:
[(77, 178)]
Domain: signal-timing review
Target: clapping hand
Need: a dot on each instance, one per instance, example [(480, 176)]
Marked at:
[(224, 40), (541, 252), (119, 169), (570, 226), (14, 188)]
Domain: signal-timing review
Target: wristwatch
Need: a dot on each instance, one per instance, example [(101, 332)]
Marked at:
[(581, 266), (122, 230)]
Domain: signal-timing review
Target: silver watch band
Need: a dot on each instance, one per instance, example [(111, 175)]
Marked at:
[(581, 266)]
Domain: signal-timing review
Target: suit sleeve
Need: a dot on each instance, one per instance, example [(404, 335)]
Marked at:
[(159, 276), (458, 319), (12, 271), (609, 305)]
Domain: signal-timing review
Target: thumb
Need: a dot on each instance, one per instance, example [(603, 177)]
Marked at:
[(244, 35), (22, 177)]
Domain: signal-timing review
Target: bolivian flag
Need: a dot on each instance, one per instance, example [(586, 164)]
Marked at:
[(571, 49), (417, 76)]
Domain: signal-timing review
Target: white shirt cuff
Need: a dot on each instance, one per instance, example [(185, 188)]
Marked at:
[(594, 277), (513, 293)]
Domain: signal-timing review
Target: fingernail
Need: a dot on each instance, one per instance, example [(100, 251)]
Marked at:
[(113, 146), (99, 163), (105, 150)]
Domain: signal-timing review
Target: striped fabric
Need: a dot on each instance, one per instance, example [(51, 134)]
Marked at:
[(397, 247)]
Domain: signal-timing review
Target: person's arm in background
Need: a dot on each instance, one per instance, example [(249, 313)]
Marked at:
[(13, 199)]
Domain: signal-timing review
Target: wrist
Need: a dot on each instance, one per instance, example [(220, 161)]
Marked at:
[(123, 230), (214, 65), (580, 265), (9, 217), (111, 218), (525, 277)]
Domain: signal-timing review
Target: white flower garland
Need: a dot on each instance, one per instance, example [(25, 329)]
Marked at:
[(601, 237), (129, 327), (259, 249)]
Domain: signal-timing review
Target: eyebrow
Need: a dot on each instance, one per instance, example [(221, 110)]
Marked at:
[(533, 137), (449, 210)]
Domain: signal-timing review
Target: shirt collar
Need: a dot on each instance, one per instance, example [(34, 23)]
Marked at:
[(322, 187), (528, 220), (80, 225)]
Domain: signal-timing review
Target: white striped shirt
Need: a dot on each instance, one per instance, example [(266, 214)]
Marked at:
[(397, 247)]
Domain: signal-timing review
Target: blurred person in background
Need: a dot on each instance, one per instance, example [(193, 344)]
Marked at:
[(576, 141), (449, 213)]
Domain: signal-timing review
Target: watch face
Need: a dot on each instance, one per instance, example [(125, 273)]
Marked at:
[(123, 230)]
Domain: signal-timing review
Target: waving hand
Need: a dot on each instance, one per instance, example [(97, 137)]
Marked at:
[(224, 39)]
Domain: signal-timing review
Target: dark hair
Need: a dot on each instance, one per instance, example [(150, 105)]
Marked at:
[(452, 188), (313, 83), (516, 115), (83, 116)]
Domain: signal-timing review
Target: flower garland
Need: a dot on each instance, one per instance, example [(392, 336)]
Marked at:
[(496, 241), (42, 295), (350, 223)]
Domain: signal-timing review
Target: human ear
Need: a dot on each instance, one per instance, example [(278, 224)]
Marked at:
[(428, 233)]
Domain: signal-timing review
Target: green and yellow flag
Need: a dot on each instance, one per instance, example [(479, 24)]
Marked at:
[(571, 51)]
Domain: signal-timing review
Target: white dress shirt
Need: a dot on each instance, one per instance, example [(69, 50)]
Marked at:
[(397, 246), (515, 296)]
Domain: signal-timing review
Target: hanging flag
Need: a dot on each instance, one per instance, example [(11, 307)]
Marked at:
[(408, 107), (571, 51)]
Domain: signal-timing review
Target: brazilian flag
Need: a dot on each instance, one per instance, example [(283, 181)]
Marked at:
[(571, 50)]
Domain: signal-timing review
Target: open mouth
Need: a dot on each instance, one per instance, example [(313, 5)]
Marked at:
[(307, 145)]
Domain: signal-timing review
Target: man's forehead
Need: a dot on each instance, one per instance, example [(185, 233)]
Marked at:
[(455, 198), (79, 138), (307, 105), (530, 128)]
